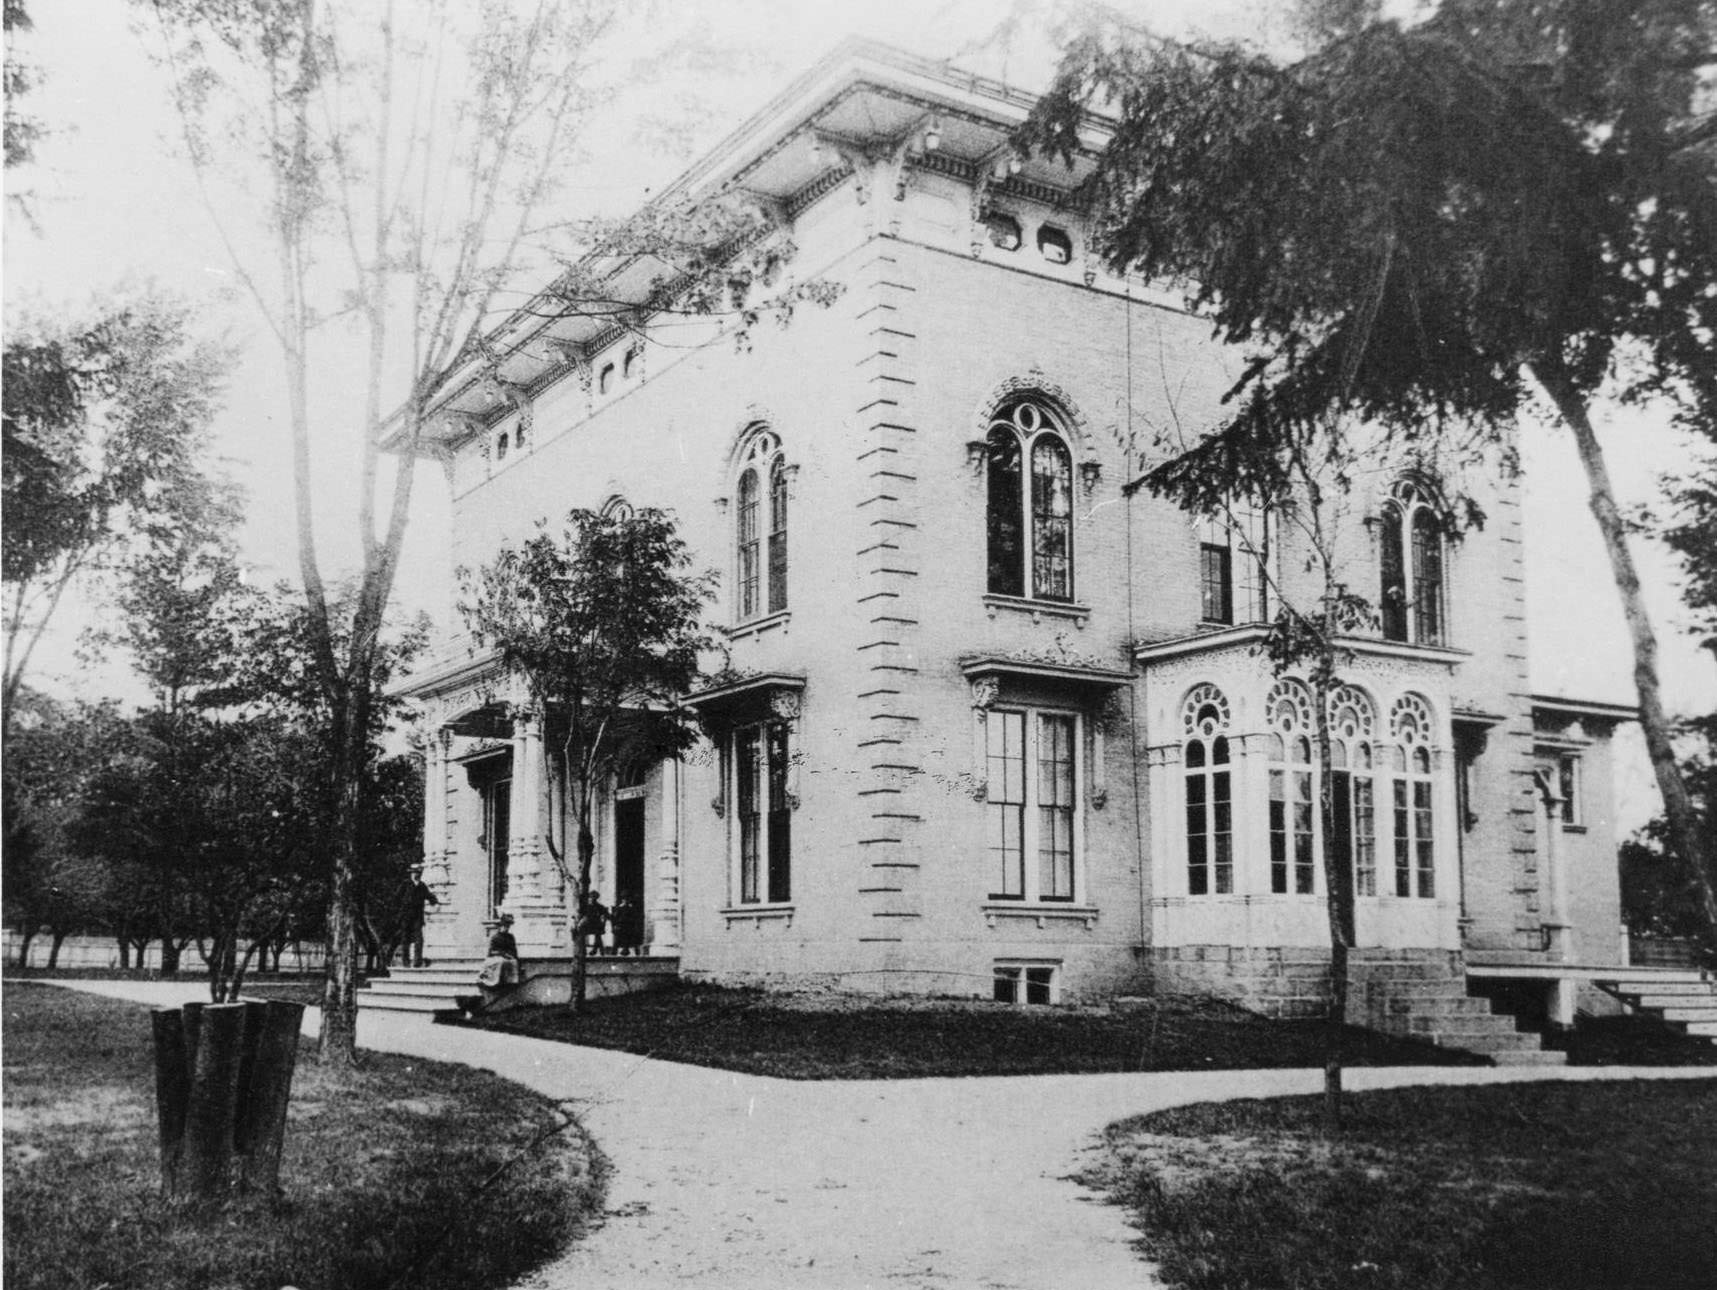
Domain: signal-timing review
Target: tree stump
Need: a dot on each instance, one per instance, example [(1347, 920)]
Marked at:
[(223, 1079)]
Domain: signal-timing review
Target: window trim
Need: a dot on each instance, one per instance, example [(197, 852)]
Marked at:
[(1030, 896)]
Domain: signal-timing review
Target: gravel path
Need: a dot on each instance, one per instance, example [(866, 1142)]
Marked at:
[(724, 1180)]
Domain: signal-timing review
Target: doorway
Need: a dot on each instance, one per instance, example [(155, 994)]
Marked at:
[(629, 873)]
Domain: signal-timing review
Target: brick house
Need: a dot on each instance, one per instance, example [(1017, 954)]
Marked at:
[(1001, 726)]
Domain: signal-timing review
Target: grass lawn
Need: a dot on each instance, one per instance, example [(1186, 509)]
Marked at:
[(392, 1173), (833, 1037), (1551, 1186)]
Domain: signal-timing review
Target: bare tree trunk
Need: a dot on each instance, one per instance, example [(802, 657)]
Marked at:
[(1684, 832), (54, 949), (339, 1036), (26, 934), (1338, 878), (586, 853)]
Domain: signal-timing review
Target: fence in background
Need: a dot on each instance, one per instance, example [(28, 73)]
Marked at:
[(103, 952)]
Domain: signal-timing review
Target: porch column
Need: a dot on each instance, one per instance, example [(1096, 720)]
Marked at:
[(665, 908), (436, 851), (525, 845)]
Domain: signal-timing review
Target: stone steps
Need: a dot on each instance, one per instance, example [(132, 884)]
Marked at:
[(1682, 998)]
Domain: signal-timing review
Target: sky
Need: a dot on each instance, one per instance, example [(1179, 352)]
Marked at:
[(116, 206)]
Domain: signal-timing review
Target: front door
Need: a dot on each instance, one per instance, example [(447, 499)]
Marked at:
[(629, 873)]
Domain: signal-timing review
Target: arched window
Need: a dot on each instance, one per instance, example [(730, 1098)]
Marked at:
[(1410, 555), (1411, 792), (1293, 846), (1209, 793), (762, 538), (1030, 529), (1353, 790)]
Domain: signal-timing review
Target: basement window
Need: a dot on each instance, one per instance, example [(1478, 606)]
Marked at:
[(605, 382), (1054, 244), (1027, 983)]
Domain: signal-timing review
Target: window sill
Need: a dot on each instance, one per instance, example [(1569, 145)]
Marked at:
[(758, 626), (997, 909), (1037, 608), (758, 914)]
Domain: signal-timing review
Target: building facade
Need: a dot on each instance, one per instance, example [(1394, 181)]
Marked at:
[(990, 722)]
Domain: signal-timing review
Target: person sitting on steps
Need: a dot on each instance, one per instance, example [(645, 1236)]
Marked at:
[(593, 923), (501, 967)]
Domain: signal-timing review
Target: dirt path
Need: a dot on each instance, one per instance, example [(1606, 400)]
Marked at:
[(723, 1180)]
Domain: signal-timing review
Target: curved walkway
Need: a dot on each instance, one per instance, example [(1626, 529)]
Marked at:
[(724, 1180)]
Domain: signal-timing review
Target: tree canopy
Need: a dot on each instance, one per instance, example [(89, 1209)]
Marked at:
[(1421, 228)]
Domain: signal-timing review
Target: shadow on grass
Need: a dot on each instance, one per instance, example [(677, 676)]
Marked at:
[(838, 1037), (1552, 1186), (398, 1173)]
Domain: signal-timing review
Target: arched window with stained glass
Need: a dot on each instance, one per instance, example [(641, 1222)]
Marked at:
[(1412, 758), (1292, 816), (1209, 779), (1029, 513)]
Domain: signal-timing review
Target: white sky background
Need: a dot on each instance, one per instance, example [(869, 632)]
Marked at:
[(116, 204)]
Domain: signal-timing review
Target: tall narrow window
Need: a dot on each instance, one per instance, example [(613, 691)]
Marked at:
[(1029, 530), (1005, 804), (1414, 605), (1055, 776), (777, 535), (1412, 798), (497, 825), (1568, 785), (1353, 791), (1032, 803), (763, 813), (761, 528), (1209, 794), (748, 572), (1292, 813), (1216, 567)]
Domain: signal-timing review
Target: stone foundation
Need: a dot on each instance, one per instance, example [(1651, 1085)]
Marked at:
[(1294, 982)]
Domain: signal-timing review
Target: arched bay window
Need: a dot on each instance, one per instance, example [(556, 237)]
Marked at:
[(762, 528), (1293, 850), (1412, 797), (1353, 789), (1413, 593), (1030, 503), (1209, 775)]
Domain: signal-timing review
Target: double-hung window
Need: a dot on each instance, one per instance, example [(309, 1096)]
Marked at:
[(763, 814), (1234, 559), (1412, 798), (1032, 799)]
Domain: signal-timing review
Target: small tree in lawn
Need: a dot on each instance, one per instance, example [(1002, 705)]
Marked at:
[(603, 622)]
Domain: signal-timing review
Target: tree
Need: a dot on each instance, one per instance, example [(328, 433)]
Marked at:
[(1420, 227), (602, 621), (53, 755), (403, 174), (106, 431)]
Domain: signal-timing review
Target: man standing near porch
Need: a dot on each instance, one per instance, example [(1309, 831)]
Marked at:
[(417, 896)]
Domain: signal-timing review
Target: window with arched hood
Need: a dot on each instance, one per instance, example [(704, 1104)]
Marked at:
[(1209, 777), (1353, 791), (1030, 503), (761, 528), (1413, 596)]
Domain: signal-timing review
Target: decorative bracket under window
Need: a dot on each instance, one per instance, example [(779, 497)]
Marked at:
[(1089, 473)]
